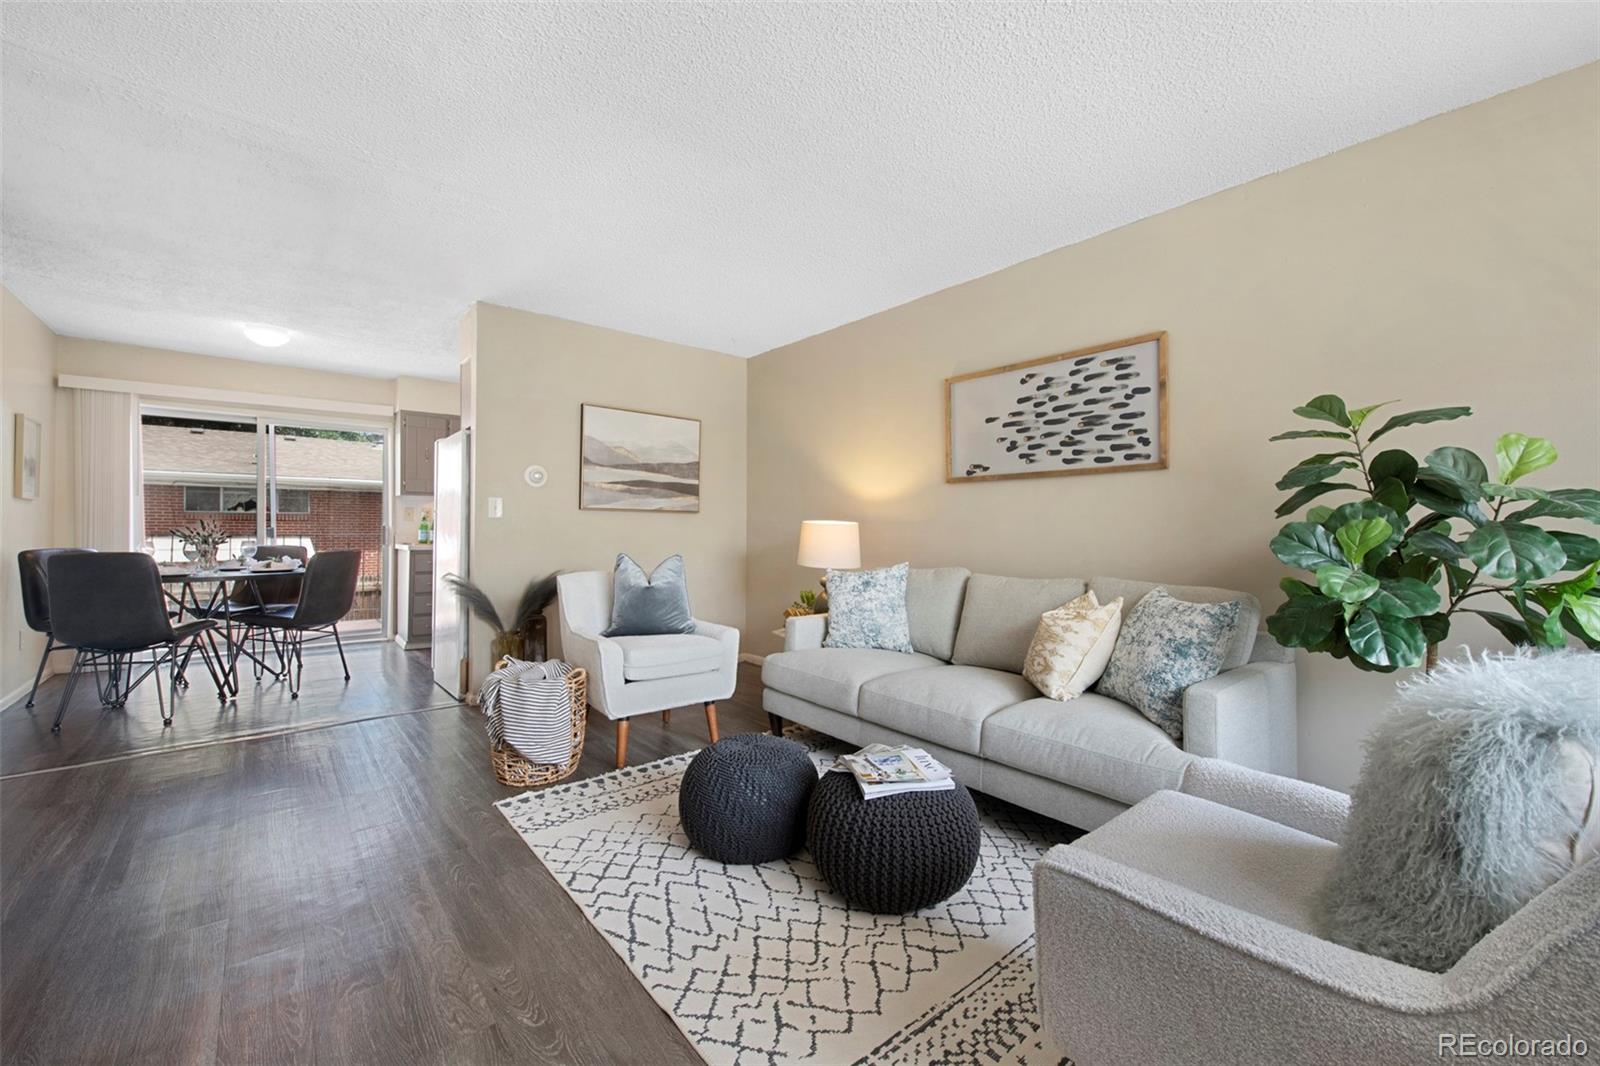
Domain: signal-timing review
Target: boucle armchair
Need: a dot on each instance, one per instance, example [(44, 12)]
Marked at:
[(1181, 932), (630, 676)]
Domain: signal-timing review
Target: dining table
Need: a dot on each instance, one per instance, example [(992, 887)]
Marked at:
[(186, 585)]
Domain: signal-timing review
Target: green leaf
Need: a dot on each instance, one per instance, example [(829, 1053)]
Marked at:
[(1497, 491), (1301, 476), (1359, 415), (1455, 472), (1391, 492), (1360, 537), (1417, 418), (1393, 463), (1458, 577), (1421, 568), (1511, 551), (1346, 585), (1303, 621), (1318, 514), (1385, 639), (1435, 627), (1358, 510), (1405, 597), (1585, 611), (1293, 587), (1447, 505), (1307, 494), (1328, 408), (1581, 550), (1305, 434), (1566, 503), (1434, 546), (1307, 546), (1513, 629), (1520, 455)]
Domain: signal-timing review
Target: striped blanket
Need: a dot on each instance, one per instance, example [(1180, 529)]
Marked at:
[(528, 706)]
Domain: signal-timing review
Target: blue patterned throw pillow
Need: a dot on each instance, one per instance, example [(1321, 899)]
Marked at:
[(1165, 646), (867, 609)]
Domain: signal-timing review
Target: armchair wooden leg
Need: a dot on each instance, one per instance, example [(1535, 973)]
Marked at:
[(666, 717), (775, 724), (622, 743), (711, 721)]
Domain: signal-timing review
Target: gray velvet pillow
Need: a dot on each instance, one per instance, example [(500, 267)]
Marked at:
[(647, 606)]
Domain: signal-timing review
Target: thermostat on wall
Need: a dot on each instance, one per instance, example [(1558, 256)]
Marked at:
[(536, 476)]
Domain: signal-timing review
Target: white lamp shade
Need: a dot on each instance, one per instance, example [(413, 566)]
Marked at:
[(830, 544)]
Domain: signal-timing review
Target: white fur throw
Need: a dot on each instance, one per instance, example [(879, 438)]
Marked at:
[(1466, 807)]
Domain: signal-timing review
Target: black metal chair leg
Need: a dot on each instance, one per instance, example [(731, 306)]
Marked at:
[(66, 693), (172, 683), (297, 665), (340, 645), (49, 644)]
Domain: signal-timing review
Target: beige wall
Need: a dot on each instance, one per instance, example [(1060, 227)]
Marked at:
[(27, 387), (1452, 262), (530, 374)]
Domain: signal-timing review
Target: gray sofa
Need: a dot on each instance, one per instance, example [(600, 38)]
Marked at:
[(961, 695)]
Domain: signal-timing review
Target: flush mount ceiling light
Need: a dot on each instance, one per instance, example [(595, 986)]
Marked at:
[(266, 336)]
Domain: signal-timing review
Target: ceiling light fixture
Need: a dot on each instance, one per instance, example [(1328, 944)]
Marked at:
[(266, 336)]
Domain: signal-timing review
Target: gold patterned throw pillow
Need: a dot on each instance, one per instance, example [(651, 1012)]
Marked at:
[(1072, 645)]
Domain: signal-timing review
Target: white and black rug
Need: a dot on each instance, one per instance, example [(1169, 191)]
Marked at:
[(764, 964)]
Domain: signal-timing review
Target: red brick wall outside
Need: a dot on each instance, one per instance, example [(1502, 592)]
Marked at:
[(337, 521)]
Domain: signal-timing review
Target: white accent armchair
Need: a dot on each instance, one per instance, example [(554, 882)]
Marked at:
[(630, 676), (1181, 932)]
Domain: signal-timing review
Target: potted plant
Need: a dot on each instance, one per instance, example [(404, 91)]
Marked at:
[(526, 637), (203, 538), (1426, 540)]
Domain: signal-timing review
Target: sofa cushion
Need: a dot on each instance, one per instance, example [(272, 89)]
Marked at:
[(832, 677), (999, 615), (933, 604), (1238, 859), (650, 658), (944, 704), (1244, 634), (1092, 742)]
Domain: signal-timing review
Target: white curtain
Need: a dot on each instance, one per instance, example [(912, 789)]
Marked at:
[(109, 500)]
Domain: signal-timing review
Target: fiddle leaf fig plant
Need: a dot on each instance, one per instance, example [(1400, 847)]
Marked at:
[(1423, 541)]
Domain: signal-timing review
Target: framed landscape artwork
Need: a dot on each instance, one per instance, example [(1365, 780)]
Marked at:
[(637, 461), (26, 447), (1096, 410)]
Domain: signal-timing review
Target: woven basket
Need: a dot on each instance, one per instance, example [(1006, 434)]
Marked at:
[(513, 770)]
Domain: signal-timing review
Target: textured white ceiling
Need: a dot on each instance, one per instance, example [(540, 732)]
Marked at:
[(731, 176)]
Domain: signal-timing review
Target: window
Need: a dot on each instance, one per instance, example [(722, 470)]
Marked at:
[(211, 499)]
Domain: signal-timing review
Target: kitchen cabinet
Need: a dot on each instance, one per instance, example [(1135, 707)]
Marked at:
[(418, 431), (413, 595)]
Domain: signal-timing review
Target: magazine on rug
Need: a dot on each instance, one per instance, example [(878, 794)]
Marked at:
[(889, 770)]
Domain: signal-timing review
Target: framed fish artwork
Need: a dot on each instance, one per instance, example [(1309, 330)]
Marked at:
[(1098, 410)]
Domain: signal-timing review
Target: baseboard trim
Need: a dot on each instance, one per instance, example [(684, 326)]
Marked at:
[(746, 657), (21, 691)]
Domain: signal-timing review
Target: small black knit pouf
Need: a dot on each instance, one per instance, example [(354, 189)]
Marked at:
[(743, 799), (894, 854)]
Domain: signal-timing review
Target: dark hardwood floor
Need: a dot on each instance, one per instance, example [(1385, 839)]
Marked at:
[(342, 893)]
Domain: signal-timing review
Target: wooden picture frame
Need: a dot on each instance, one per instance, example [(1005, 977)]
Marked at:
[(632, 460), (26, 455), (1031, 422)]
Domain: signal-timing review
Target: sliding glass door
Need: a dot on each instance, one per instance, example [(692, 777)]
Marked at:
[(320, 485)]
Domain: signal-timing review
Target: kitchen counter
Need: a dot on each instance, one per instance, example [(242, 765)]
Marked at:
[(413, 601)]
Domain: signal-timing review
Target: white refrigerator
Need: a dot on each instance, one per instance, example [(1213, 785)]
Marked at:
[(452, 509)]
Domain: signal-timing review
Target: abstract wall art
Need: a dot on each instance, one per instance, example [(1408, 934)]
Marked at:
[(1096, 410), (636, 461)]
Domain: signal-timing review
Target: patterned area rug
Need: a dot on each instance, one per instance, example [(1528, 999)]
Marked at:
[(764, 964)]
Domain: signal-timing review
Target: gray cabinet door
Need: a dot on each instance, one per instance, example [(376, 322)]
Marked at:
[(418, 432)]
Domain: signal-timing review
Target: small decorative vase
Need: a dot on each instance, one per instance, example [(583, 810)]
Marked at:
[(506, 645), (535, 641), (207, 559)]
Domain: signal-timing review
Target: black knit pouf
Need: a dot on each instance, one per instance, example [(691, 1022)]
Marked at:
[(743, 799), (894, 854)]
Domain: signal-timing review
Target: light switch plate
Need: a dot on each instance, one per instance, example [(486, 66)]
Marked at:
[(497, 507)]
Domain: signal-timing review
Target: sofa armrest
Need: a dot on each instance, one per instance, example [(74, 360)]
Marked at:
[(1118, 947), (1268, 650), (602, 659), (802, 632), (727, 636), (1312, 809), (1246, 716)]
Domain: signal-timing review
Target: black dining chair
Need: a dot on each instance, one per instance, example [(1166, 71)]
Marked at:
[(110, 607), (36, 603), (263, 592), (327, 592)]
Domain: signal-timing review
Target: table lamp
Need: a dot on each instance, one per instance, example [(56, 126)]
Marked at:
[(827, 544)]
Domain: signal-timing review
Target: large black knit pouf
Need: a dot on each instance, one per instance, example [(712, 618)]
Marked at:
[(894, 854), (743, 799)]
